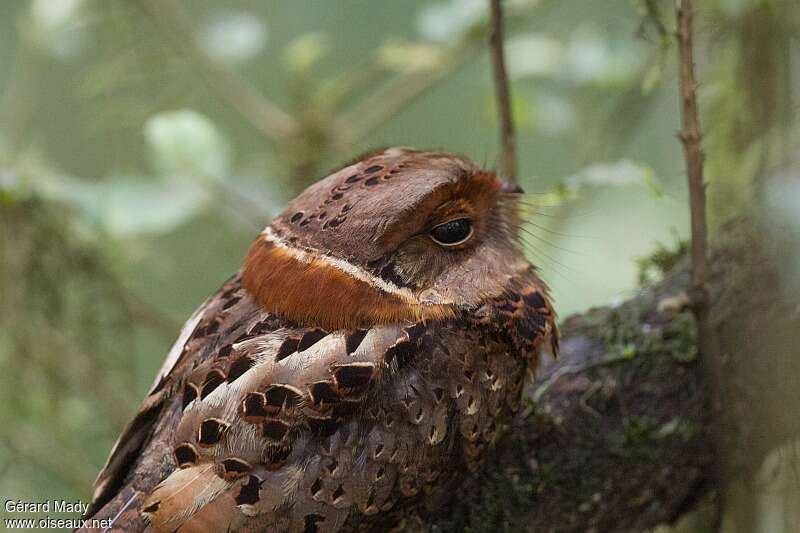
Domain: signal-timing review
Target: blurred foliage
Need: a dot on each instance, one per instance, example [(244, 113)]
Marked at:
[(143, 143), (664, 258)]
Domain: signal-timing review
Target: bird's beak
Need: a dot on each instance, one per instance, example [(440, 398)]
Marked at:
[(509, 188)]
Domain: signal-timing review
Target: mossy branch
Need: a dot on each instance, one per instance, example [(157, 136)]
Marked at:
[(617, 434)]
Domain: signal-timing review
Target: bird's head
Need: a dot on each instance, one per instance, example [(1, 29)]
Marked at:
[(399, 235)]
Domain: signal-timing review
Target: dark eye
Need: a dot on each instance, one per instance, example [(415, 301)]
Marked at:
[(453, 232)]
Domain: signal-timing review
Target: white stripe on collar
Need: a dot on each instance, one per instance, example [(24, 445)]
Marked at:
[(350, 269)]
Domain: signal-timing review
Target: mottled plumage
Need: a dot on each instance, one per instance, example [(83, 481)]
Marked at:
[(354, 364)]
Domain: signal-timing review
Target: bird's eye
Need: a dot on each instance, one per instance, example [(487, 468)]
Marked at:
[(452, 233)]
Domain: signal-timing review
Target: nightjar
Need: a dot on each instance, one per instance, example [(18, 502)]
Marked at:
[(356, 366)]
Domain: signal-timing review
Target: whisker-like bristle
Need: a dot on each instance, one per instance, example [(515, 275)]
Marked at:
[(547, 242)]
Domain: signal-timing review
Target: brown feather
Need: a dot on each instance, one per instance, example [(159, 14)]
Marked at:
[(181, 495), (350, 368), (320, 294)]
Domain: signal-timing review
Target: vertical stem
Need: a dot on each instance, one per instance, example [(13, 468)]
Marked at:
[(508, 143), (691, 136)]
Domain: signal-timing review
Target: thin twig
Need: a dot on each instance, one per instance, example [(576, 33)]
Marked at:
[(375, 109), (271, 121), (691, 137), (508, 159), (653, 13), (392, 97)]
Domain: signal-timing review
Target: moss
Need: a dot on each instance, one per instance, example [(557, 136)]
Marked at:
[(622, 335), (621, 332), (637, 434), (663, 259), (626, 338), (681, 338)]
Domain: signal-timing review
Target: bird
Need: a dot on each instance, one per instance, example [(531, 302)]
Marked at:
[(357, 366)]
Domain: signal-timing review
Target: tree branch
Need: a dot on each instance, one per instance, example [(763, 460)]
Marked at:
[(397, 94), (508, 159), (653, 14), (691, 137)]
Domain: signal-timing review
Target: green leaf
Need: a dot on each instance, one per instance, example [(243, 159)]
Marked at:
[(57, 27), (234, 36), (187, 143), (128, 205), (136, 206)]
